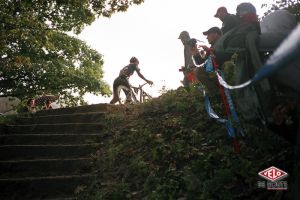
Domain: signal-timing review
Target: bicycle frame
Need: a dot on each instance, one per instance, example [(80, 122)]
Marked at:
[(142, 96), (134, 92)]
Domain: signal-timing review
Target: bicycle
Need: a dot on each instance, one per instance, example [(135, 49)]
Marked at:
[(135, 92)]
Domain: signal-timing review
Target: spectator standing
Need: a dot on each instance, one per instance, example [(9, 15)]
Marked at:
[(209, 80), (188, 62), (229, 20)]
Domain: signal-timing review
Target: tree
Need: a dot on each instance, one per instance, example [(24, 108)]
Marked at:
[(37, 54), (291, 5)]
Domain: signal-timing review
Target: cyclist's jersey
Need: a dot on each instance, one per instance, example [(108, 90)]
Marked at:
[(128, 70)]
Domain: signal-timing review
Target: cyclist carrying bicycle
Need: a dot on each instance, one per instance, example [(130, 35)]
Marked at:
[(123, 80)]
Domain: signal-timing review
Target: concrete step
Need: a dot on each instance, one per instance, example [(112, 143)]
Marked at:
[(55, 187), (44, 139), (47, 155), (91, 117), (44, 167), (55, 128), (30, 152), (73, 110)]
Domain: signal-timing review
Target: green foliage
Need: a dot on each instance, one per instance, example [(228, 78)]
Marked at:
[(6, 119), (22, 107), (37, 55), (113, 119), (63, 15), (168, 148), (291, 5)]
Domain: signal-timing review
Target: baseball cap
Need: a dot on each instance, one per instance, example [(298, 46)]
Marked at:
[(213, 30), (221, 9), (184, 34)]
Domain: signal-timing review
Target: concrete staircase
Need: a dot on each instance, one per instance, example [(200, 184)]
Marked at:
[(48, 155)]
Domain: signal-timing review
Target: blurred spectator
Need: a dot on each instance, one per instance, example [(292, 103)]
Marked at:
[(229, 20)]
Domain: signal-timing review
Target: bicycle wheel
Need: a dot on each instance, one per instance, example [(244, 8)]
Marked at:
[(146, 96), (122, 94)]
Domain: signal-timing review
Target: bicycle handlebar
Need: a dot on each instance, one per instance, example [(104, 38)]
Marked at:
[(140, 86), (143, 85)]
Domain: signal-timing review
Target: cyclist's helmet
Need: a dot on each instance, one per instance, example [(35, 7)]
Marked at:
[(133, 60)]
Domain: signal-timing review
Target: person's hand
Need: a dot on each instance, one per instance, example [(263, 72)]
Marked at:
[(202, 53), (150, 82), (181, 69), (204, 47)]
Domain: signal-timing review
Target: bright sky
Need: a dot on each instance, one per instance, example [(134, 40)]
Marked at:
[(150, 32)]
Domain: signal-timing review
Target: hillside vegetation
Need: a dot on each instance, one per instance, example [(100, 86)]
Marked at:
[(169, 148)]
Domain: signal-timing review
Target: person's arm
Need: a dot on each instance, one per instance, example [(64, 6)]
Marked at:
[(142, 77), (199, 59)]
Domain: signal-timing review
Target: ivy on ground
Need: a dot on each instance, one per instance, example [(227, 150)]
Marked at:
[(169, 148)]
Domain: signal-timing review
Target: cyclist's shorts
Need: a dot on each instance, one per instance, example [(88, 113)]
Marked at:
[(120, 81)]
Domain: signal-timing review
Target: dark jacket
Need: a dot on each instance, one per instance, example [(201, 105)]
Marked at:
[(198, 59), (229, 22)]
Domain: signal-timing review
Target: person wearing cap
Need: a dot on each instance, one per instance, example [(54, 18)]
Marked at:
[(229, 20), (185, 37), (246, 12), (212, 35), (207, 79), (188, 62)]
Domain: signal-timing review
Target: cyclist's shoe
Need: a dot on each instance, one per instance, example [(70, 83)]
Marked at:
[(113, 101), (128, 101)]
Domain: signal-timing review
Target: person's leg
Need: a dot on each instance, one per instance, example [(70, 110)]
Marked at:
[(114, 99), (186, 82), (115, 92), (125, 83), (120, 81)]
